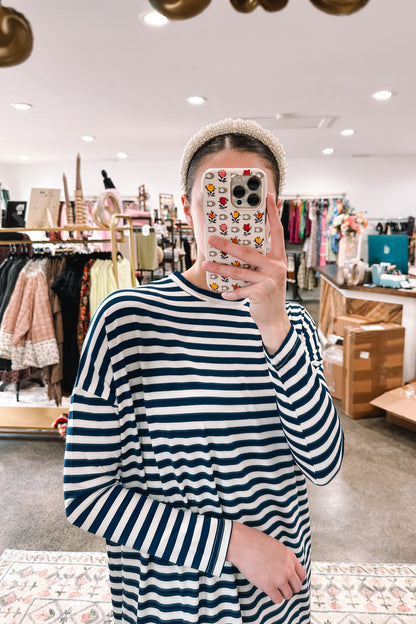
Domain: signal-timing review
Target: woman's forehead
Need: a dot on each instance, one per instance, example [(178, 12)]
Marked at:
[(232, 158)]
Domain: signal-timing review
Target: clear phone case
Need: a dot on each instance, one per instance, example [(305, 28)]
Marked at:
[(234, 207)]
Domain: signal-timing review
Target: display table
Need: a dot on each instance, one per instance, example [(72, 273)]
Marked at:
[(16, 418), (378, 304)]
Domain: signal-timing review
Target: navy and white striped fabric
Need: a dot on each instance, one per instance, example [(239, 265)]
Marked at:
[(181, 423)]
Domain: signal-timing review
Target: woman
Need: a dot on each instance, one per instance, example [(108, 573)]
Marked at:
[(196, 418)]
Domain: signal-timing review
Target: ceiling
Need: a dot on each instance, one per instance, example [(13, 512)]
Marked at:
[(97, 69)]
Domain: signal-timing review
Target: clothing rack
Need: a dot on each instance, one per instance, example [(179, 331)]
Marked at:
[(292, 219), (68, 228), (388, 218), (39, 419), (305, 196), (114, 228)]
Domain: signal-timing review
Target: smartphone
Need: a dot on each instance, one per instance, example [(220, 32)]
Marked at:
[(234, 207)]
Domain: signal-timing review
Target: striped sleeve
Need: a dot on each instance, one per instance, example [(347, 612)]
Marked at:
[(307, 412), (96, 499), (97, 502)]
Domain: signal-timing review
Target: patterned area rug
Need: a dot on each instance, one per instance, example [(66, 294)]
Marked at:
[(72, 588)]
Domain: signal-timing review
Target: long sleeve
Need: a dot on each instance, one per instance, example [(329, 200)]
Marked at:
[(307, 413), (96, 499)]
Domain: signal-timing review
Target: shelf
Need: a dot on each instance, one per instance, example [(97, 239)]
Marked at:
[(28, 417)]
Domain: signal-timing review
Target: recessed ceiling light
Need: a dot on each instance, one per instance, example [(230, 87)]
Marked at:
[(153, 18), (328, 150), (122, 155), (382, 95), (88, 138), (195, 100), (348, 132), (22, 106), (24, 157)]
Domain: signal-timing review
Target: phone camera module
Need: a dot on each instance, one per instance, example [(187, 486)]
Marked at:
[(253, 183), (253, 200), (239, 191)]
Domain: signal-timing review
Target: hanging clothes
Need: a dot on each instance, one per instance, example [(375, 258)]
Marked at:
[(67, 286), (302, 273), (12, 264), (302, 220), (312, 251), (308, 220), (322, 243), (27, 335), (319, 233), (9, 273), (84, 316), (53, 374), (41, 301), (329, 254), (103, 281), (293, 222), (284, 218)]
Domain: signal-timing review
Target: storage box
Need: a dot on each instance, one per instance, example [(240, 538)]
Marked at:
[(373, 364), (333, 369), (399, 405), (346, 320)]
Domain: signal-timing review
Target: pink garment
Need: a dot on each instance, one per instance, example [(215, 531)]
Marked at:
[(27, 335), (297, 238), (291, 221)]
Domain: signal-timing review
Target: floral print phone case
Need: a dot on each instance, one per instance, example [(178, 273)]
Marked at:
[(234, 207)]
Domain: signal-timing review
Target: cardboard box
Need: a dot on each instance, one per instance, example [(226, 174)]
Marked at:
[(333, 357), (399, 405), (373, 364), (346, 320)]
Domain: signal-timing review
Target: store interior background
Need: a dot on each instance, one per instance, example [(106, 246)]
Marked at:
[(97, 69)]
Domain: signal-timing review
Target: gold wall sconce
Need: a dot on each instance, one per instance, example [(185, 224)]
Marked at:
[(184, 9), (16, 38)]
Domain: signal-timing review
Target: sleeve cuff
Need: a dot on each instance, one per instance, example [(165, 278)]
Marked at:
[(222, 549), (286, 351)]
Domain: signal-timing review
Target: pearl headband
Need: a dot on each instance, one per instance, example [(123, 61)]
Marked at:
[(233, 126)]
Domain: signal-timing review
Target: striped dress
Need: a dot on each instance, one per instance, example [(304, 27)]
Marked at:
[(180, 423)]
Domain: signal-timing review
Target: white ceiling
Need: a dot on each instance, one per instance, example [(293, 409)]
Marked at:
[(97, 69)]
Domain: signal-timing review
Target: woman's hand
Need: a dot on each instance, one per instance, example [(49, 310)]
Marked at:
[(267, 288), (265, 562)]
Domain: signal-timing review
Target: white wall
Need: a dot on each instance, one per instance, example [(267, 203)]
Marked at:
[(381, 187), (6, 177), (158, 177)]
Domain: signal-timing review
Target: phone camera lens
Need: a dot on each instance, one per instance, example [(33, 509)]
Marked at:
[(239, 191), (253, 199), (253, 183)]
